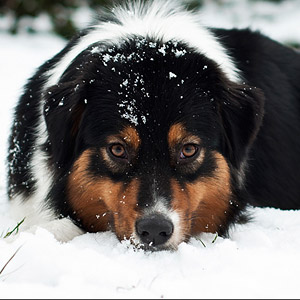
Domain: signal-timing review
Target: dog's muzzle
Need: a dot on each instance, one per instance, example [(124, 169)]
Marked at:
[(154, 230)]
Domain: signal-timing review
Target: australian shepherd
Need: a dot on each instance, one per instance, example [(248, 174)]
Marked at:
[(157, 128)]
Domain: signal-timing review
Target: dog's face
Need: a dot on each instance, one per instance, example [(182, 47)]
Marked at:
[(153, 137)]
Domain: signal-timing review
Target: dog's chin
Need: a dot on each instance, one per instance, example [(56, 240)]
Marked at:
[(138, 245), (150, 248)]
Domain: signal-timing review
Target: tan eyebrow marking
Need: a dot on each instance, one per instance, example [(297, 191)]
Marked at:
[(128, 135), (176, 134), (179, 135)]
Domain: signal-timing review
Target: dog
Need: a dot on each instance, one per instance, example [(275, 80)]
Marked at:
[(157, 128)]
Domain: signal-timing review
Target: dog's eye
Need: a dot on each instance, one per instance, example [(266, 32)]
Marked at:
[(188, 151), (118, 151)]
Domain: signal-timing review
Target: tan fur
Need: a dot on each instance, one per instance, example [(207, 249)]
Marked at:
[(130, 136), (203, 204), (97, 201), (178, 135)]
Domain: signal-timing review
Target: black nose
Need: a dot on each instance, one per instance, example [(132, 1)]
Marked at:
[(154, 230)]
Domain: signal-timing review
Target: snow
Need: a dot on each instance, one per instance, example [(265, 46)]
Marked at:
[(280, 22), (260, 260), (172, 75)]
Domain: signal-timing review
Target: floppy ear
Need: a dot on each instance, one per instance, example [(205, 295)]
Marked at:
[(63, 111), (241, 111)]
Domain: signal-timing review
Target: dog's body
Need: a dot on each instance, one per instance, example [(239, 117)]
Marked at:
[(157, 128)]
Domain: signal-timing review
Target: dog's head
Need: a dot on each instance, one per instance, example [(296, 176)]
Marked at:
[(151, 139)]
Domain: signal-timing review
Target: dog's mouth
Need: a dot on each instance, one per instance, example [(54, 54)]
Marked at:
[(137, 244), (150, 248)]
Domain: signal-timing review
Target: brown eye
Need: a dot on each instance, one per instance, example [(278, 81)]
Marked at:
[(118, 151), (188, 151)]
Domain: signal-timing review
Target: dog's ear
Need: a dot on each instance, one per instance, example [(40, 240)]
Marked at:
[(241, 112), (63, 110)]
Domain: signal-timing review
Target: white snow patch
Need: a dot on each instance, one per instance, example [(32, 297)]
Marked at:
[(172, 75)]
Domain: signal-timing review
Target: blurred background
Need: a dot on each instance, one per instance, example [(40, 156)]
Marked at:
[(64, 17)]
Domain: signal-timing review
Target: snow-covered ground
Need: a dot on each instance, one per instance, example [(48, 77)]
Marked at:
[(260, 260)]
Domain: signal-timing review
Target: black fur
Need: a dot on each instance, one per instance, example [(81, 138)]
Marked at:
[(273, 173)]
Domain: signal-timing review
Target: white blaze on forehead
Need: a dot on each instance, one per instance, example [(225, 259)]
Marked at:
[(160, 20)]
